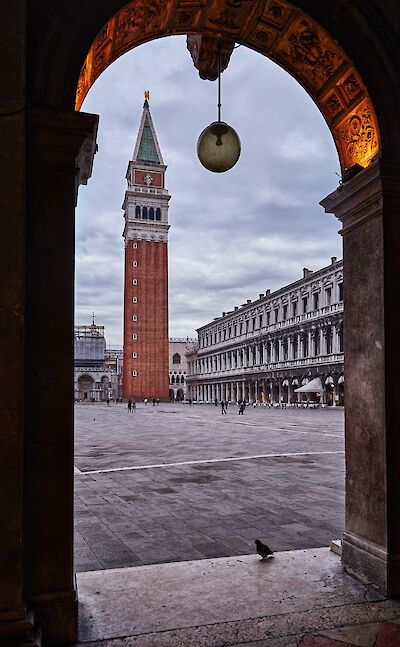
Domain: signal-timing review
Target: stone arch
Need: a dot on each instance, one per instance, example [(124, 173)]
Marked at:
[(58, 36), (279, 30), (85, 387), (329, 388)]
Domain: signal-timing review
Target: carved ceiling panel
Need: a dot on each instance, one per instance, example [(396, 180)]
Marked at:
[(275, 28)]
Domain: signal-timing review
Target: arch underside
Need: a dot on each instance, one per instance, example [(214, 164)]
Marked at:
[(276, 29)]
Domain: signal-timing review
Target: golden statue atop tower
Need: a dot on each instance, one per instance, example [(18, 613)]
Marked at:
[(147, 95)]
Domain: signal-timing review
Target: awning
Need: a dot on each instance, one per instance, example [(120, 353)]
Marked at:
[(314, 386)]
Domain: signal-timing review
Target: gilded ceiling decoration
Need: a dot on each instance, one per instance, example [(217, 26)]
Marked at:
[(275, 28)]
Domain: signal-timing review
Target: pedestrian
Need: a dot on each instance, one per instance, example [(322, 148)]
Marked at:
[(154, 402), (129, 406), (242, 407), (134, 406), (145, 400), (108, 402), (216, 402), (190, 401), (158, 401), (226, 406), (223, 410)]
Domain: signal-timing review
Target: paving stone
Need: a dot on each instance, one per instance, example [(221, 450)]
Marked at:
[(291, 501), (389, 635), (358, 635)]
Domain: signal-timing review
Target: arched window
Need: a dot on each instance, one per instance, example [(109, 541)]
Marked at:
[(172, 379), (151, 213), (176, 359), (158, 213), (182, 379), (137, 211), (144, 213)]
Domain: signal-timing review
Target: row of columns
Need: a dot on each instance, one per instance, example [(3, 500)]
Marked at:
[(261, 391), (296, 346)]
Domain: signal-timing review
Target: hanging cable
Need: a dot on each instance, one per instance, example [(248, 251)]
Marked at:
[(219, 79)]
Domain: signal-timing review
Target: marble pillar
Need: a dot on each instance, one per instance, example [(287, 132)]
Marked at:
[(59, 147), (16, 622), (368, 207)]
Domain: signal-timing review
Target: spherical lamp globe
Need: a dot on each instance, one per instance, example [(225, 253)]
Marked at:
[(218, 147)]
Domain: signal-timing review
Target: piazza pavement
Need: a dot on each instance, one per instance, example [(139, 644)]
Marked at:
[(176, 482)]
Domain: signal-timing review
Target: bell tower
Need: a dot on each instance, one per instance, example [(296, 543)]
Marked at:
[(145, 206)]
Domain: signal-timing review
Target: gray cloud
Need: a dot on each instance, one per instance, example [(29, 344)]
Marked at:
[(233, 235)]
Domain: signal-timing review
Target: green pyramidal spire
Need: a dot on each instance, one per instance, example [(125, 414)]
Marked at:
[(147, 148)]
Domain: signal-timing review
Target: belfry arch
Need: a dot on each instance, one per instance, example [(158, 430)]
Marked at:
[(47, 151)]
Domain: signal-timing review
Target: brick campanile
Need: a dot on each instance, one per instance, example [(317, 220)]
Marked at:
[(146, 269)]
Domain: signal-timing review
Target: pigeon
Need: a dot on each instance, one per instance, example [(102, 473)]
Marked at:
[(263, 550)]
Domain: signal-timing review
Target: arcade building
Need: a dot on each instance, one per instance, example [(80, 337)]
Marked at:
[(97, 369), (178, 349), (286, 347)]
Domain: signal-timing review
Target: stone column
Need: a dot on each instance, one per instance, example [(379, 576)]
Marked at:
[(15, 623), (60, 151), (272, 392), (290, 347), (321, 341), (300, 353), (335, 338), (368, 207)]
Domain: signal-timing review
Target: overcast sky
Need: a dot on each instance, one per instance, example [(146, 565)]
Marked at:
[(234, 234)]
